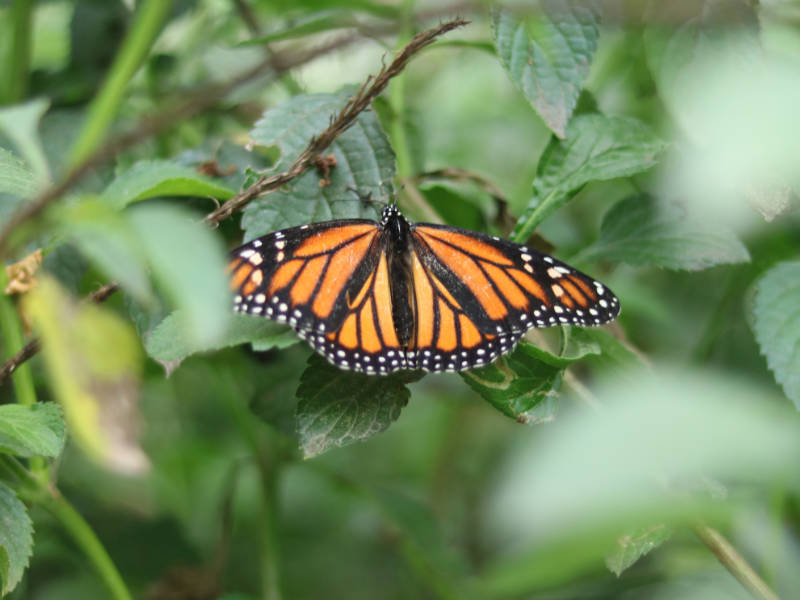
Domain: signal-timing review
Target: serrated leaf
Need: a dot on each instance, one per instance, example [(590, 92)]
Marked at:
[(167, 342), (550, 61), (15, 176), (337, 408), (20, 123), (521, 384), (188, 261), (640, 230), (596, 148), (364, 161), (634, 545), (159, 178), (776, 321), (36, 430), (16, 539), (105, 237), (93, 360)]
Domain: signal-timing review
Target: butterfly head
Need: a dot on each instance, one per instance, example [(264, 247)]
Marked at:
[(389, 214)]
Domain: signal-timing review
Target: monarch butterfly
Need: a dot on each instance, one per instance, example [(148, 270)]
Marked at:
[(377, 297)]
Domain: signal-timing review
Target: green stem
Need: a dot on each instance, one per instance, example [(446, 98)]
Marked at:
[(267, 452), (34, 489), (18, 51), (86, 539), (539, 214), (149, 19), (13, 341), (397, 98), (734, 562)]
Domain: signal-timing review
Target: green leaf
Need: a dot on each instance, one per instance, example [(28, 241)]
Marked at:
[(550, 61), (36, 430), (564, 495), (16, 539), (167, 342), (159, 178), (596, 148), (106, 238), (640, 230), (20, 123), (521, 384), (776, 321), (15, 176), (188, 261), (93, 360), (337, 408), (634, 545), (364, 161)]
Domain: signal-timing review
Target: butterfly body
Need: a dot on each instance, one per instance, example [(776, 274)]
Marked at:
[(377, 297)]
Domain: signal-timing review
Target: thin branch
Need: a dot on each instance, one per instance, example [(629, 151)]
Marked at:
[(734, 562), (346, 117)]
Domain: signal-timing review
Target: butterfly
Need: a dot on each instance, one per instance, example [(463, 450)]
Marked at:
[(376, 297)]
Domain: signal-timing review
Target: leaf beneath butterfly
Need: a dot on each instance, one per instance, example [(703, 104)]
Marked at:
[(16, 539), (550, 59), (20, 124), (36, 430), (522, 385), (159, 178), (640, 230), (168, 341), (597, 148), (364, 161), (776, 321), (338, 408)]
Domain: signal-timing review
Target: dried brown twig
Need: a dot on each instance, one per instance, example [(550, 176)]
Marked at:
[(265, 184), (346, 117)]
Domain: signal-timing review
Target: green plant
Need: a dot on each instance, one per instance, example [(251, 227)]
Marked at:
[(639, 152)]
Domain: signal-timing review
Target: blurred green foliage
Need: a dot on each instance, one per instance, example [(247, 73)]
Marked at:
[(162, 448)]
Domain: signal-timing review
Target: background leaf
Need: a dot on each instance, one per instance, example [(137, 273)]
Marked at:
[(16, 538), (776, 321), (159, 178), (640, 230), (188, 262), (35, 430), (93, 361), (337, 407), (634, 545), (21, 124), (106, 238), (596, 148), (167, 342), (364, 161), (549, 62), (15, 176)]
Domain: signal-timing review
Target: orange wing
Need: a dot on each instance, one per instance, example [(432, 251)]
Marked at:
[(504, 288), (303, 275), (367, 340), (446, 338)]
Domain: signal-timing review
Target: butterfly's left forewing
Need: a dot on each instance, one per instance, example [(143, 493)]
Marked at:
[(302, 275)]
